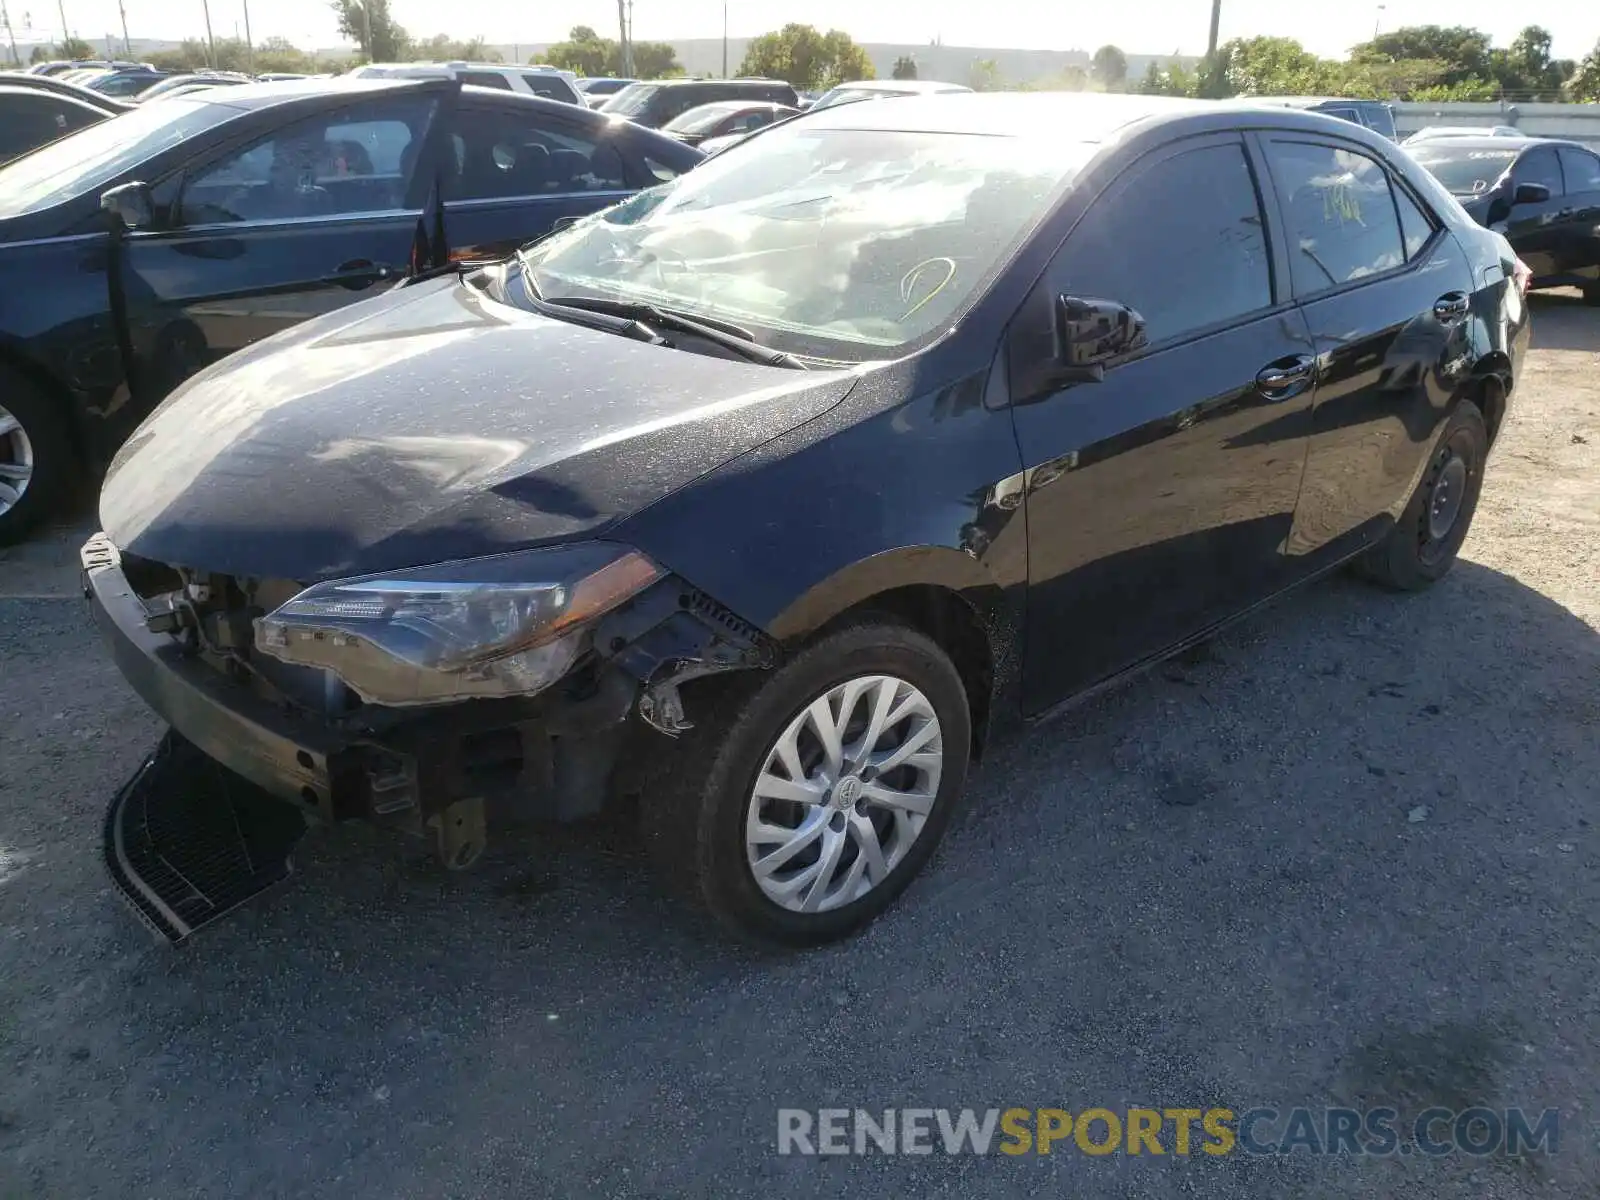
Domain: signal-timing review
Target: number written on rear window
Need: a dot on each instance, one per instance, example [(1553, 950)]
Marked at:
[(1340, 209)]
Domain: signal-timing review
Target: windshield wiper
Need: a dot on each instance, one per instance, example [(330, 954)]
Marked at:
[(624, 324), (741, 341)]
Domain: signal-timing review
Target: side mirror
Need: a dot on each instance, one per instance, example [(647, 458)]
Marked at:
[(1091, 333), (1530, 193), (128, 206)]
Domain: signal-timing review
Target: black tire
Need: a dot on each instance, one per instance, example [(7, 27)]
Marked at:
[(55, 462), (1417, 553), (1591, 295), (694, 821)]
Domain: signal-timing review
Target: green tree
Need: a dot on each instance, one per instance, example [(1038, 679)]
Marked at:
[(1464, 52), (74, 48), (1585, 82), (985, 76), (1110, 68), (1274, 66), (1527, 68), (589, 54), (806, 58), (1171, 80), (652, 60), (585, 52), (280, 54), (905, 67), (390, 42), (441, 47)]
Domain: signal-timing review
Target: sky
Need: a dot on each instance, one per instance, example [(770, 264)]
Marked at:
[(1328, 27)]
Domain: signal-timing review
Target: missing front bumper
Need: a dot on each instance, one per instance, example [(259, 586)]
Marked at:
[(187, 840)]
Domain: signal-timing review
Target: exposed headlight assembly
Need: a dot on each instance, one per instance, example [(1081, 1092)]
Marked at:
[(509, 625)]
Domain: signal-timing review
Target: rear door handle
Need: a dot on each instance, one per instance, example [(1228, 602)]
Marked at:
[(1451, 306), (1287, 377), (359, 273)]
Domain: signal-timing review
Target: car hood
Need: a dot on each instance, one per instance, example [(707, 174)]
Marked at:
[(432, 424)]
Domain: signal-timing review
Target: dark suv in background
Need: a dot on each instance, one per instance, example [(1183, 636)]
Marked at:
[(654, 104), (1370, 114)]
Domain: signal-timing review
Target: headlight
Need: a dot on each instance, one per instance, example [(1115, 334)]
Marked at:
[(509, 625)]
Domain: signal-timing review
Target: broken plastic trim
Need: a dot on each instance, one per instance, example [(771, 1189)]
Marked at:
[(675, 633)]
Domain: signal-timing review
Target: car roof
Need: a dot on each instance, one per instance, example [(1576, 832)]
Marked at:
[(747, 84), (8, 89), (908, 86), (1092, 115), (280, 91), (1307, 101)]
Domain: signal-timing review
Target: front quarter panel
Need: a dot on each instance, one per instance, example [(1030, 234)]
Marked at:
[(883, 492)]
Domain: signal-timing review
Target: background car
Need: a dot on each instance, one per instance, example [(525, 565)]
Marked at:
[(110, 105), (126, 83), (62, 67), (598, 89), (725, 119), (771, 520), (654, 103), (1370, 114), (882, 89), (30, 118), (1430, 132), (238, 218), (548, 82), (1542, 193), (174, 85)]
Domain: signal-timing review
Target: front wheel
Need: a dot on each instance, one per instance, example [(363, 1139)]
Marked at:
[(804, 804), (36, 456), (1423, 545)]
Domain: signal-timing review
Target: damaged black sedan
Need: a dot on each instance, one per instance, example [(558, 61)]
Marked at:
[(768, 498)]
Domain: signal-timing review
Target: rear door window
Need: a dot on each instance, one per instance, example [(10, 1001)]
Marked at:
[(1343, 224)]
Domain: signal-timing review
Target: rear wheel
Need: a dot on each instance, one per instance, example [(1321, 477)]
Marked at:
[(806, 802), (36, 456), (1422, 547)]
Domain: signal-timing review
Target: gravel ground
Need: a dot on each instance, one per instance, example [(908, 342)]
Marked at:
[(1348, 856)]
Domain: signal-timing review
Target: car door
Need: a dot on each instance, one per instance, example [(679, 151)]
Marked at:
[(1536, 228), (514, 171), (314, 214), (1387, 295), (1580, 242), (1159, 498)]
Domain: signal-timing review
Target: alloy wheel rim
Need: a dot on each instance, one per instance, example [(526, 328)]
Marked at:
[(844, 792), (16, 461)]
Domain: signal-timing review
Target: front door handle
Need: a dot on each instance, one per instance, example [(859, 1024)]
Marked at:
[(359, 273), (1450, 307), (1287, 377)]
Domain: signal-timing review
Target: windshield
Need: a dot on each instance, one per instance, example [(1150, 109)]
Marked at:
[(632, 99), (94, 156), (834, 243), (1464, 172), (699, 120)]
